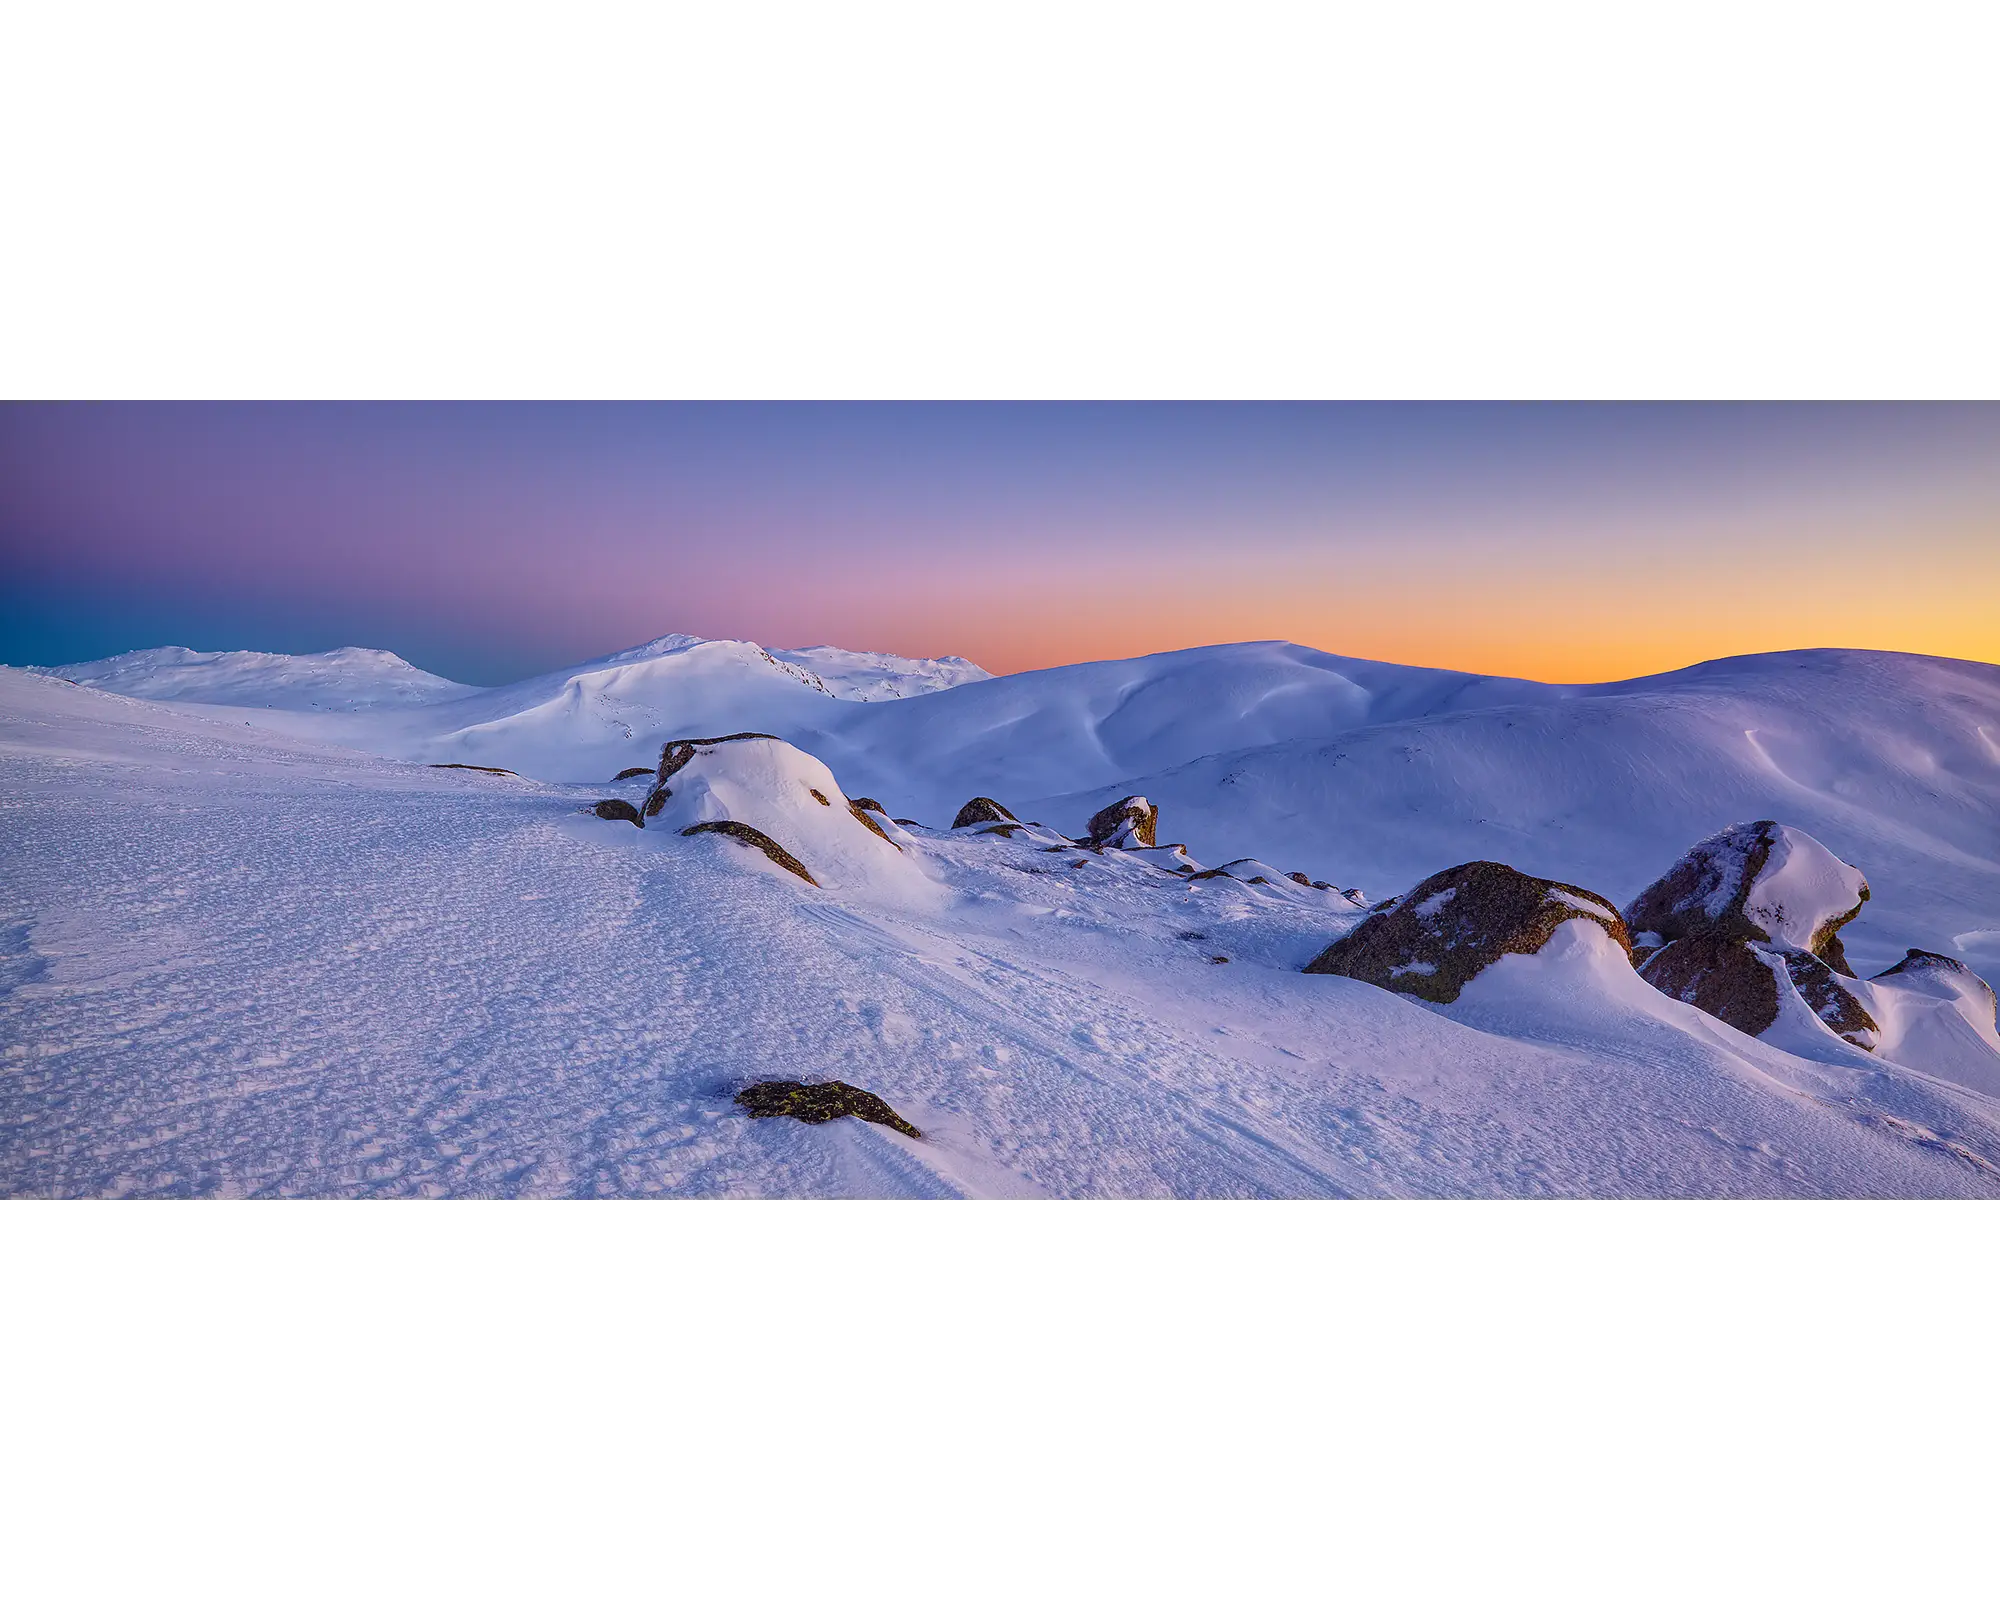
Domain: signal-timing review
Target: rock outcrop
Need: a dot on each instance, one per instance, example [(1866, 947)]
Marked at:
[(1925, 972), (820, 1102), (1760, 881), (982, 808), (1135, 820), (757, 839), (1457, 923), (619, 811), (633, 772), (1748, 917), (775, 798)]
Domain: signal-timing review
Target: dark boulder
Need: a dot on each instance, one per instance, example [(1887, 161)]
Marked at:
[(619, 811), (758, 840), (1135, 820), (820, 1102), (1756, 880), (863, 803), (1456, 924), (633, 772), (1831, 1000), (982, 808), (1749, 902), (1719, 975)]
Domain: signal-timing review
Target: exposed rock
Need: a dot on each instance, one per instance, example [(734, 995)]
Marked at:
[(822, 799), (657, 799), (1719, 975), (863, 803), (1457, 923), (1301, 879), (1740, 906), (1831, 1000), (1756, 880), (466, 766), (1220, 961), (750, 836), (619, 811), (1006, 830), (820, 1102), (1123, 823), (1928, 961), (861, 816), (982, 808), (633, 772)]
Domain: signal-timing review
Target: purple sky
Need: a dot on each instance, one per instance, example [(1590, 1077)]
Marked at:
[(487, 541)]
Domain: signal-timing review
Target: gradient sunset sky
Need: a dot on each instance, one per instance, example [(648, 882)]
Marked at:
[(487, 541)]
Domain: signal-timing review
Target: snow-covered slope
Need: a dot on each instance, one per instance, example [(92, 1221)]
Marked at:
[(1892, 761), (1361, 773), (350, 679), (870, 675), (235, 962)]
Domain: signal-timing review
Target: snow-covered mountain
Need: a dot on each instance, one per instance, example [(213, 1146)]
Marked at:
[(350, 679), (268, 948)]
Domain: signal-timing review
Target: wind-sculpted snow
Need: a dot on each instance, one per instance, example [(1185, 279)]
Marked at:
[(234, 962), (1356, 773)]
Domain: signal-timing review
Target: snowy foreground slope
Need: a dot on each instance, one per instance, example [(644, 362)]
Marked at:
[(235, 959)]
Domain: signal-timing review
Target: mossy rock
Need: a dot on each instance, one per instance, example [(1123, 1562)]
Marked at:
[(619, 811), (1831, 1000), (982, 808), (822, 799), (1736, 981), (1456, 924), (633, 772), (1134, 819), (1006, 830), (820, 1102), (757, 840), (866, 804), (1708, 892), (1719, 975), (657, 800), (860, 815)]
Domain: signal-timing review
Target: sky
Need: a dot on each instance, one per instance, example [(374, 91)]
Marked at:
[(1572, 543)]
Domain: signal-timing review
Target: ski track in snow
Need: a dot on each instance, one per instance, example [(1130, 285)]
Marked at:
[(236, 964)]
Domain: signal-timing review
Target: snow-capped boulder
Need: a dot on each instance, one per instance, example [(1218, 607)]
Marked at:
[(1458, 922), (1746, 926), (982, 808), (1943, 978), (1756, 880), (762, 793), (1936, 1014), (1124, 823)]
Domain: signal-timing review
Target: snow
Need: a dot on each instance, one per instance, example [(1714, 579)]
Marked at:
[(1803, 887), (350, 679), (792, 798), (870, 675), (267, 950)]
